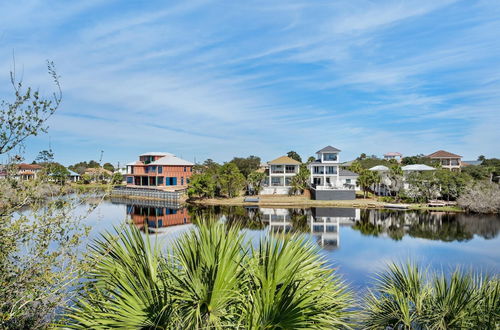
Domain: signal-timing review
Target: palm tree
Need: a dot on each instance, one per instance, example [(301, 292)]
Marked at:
[(404, 297), (212, 279)]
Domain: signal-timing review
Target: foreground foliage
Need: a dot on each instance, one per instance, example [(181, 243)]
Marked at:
[(212, 279), (405, 297)]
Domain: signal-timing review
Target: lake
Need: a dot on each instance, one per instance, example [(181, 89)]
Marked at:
[(357, 242)]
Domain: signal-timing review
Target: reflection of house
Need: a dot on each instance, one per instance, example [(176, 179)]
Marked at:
[(322, 223), (28, 171), (155, 217), (328, 180), (393, 155), (159, 170), (326, 222), (447, 160), (281, 172)]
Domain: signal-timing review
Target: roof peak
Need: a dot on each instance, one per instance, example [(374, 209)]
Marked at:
[(284, 160), (328, 148), (443, 154)]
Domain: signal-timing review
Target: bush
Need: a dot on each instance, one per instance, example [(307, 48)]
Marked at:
[(482, 197)]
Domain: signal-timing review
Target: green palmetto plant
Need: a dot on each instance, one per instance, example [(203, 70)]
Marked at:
[(404, 297), (212, 278)]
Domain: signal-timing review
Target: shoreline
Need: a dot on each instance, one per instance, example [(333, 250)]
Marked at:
[(302, 201)]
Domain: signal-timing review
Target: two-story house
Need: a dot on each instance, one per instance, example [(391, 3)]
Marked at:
[(28, 171), (447, 160), (281, 171), (159, 170)]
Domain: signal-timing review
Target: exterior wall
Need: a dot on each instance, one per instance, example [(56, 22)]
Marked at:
[(282, 175), (326, 195), (182, 174), (452, 164)]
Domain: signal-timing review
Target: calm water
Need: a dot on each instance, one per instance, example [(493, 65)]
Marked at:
[(356, 242)]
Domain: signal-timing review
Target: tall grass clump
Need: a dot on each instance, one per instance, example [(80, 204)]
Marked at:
[(213, 278)]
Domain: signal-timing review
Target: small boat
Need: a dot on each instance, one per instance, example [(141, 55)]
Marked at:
[(251, 199), (396, 206)]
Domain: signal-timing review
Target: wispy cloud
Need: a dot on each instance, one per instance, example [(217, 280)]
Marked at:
[(216, 79)]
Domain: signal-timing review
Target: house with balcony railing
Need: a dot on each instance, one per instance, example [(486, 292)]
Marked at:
[(281, 171), (328, 179), (448, 160), (159, 170)]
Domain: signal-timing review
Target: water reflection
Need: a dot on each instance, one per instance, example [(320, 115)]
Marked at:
[(154, 217), (324, 224)]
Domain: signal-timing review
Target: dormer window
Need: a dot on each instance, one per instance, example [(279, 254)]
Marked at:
[(329, 157)]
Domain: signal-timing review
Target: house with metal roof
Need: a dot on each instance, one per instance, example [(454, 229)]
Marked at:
[(161, 170), (281, 171), (448, 160), (328, 179)]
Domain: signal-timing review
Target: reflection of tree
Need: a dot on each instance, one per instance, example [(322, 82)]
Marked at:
[(442, 226), (298, 218), (367, 228)]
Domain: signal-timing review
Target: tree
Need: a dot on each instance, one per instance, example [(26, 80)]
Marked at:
[(202, 185), (362, 156), (116, 178), (396, 177), (293, 155), (300, 181), (356, 167), (481, 158), (82, 166), (109, 167), (86, 178), (214, 280), (451, 184), (39, 255), (58, 173), (231, 180), (255, 180), (423, 186), (246, 165), (27, 114), (366, 180), (45, 156), (420, 159), (311, 159)]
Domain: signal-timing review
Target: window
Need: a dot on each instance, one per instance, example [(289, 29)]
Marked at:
[(329, 157), (182, 179), (130, 179), (331, 170), (184, 168), (288, 181), (277, 168), (146, 169), (327, 180), (160, 169), (160, 180), (348, 181), (318, 169), (290, 168), (276, 181), (174, 181)]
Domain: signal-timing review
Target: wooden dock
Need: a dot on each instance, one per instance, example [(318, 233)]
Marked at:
[(147, 193)]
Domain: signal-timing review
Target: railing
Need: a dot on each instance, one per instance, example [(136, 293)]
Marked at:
[(147, 192), (332, 187)]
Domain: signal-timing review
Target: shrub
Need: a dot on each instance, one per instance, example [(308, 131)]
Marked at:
[(482, 197)]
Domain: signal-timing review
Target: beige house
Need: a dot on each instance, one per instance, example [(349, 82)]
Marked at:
[(281, 172), (447, 160)]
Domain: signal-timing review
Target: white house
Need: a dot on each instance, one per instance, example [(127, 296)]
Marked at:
[(281, 172), (326, 172)]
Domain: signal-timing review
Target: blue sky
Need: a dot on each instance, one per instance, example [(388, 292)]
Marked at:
[(217, 79)]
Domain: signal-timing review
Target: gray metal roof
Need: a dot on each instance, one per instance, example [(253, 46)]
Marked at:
[(343, 172), (417, 167), (328, 149), (379, 168)]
